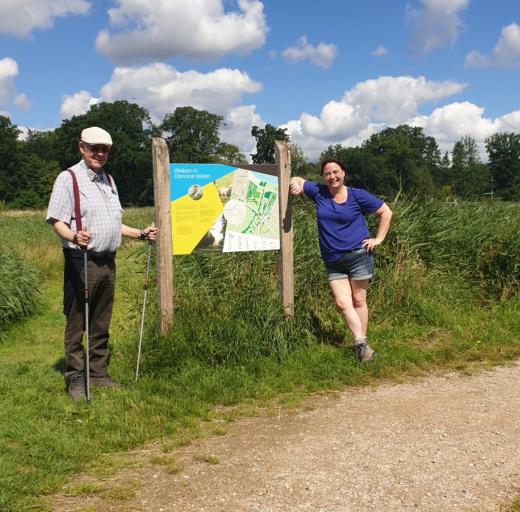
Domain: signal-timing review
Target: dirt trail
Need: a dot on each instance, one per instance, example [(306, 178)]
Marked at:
[(443, 443)]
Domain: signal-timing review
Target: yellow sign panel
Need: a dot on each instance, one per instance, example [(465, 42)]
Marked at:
[(194, 216)]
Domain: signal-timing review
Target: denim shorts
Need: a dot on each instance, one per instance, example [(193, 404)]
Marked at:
[(355, 265)]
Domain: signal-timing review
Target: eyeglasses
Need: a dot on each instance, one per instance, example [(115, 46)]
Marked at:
[(97, 148)]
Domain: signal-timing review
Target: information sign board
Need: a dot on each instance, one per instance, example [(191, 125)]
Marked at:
[(223, 208)]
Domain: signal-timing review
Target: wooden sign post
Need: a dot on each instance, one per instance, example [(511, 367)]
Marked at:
[(162, 193), (285, 261), (161, 188)]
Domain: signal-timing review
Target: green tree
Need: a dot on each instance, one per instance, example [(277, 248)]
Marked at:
[(36, 177), (431, 154), (230, 154), (42, 144), (27, 168), (407, 159), (469, 178), (38, 168), (465, 152), (130, 161), (442, 177), (10, 159), (192, 135), (337, 151), (504, 162), (265, 139), (300, 165)]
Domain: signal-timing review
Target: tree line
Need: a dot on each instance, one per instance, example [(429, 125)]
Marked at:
[(405, 160), (401, 160)]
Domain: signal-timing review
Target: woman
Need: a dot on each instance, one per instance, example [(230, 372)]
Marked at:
[(345, 244)]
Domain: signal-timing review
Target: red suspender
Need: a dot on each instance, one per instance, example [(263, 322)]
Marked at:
[(77, 209)]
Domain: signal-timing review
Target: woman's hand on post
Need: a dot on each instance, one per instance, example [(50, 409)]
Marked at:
[(296, 185)]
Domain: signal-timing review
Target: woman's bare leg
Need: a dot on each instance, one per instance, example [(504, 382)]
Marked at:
[(359, 300), (342, 292)]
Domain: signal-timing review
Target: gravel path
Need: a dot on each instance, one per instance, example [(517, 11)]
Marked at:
[(443, 443)]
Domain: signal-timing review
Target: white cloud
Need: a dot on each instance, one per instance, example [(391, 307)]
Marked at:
[(507, 50), (237, 128), (24, 132), (8, 73), (77, 104), (509, 122), (447, 124), (337, 120), (313, 146), (506, 53), (365, 109), (380, 51), (437, 23), (393, 99), (20, 18), (160, 88), (322, 55), (22, 101), (192, 28), (450, 123), (387, 99), (476, 59)]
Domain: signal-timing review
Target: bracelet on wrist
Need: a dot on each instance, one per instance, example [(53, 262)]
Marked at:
[(75, 239), (143, 235)]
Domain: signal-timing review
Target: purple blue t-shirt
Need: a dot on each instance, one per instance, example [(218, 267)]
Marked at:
[(341, 227)]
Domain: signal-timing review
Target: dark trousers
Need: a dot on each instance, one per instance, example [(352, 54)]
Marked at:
[(101, 285)]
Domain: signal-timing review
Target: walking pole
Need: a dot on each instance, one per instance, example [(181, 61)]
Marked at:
[(144, 309), (87, 358)]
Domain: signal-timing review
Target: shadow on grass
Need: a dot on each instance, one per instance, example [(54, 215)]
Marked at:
[(325, 335), (59, 365)]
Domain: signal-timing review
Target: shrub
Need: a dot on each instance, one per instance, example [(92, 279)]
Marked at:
[(18, 290), (439, 258)]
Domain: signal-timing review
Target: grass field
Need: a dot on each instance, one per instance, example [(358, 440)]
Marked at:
[(445, 297)]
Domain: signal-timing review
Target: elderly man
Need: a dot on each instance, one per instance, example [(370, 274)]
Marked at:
[(98, 231)]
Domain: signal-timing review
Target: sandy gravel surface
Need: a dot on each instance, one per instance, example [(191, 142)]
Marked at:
[(443, 443)]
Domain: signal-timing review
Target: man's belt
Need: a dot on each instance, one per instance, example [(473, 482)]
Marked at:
[(96, 257)]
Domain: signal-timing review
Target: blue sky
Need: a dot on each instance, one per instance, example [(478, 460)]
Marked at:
[(332, 72)]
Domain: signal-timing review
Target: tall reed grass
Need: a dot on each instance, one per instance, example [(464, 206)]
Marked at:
[(477, 241), (18, 288), (439, 258), (26, 233)]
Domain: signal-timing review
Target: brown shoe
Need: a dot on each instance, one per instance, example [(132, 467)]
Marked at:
[(105, 382), (76, 389)]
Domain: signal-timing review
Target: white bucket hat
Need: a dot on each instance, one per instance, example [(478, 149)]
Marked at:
[(96, 135)]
